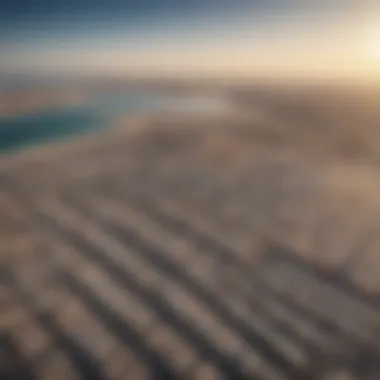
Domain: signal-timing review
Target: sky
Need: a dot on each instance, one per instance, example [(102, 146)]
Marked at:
[(191, 37)]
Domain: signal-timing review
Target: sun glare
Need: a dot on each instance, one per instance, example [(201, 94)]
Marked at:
[(372, 48)]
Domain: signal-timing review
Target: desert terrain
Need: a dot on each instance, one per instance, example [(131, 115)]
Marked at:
[(234, 246)]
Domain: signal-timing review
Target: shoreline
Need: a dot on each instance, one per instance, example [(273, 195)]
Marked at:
[(18, 103)]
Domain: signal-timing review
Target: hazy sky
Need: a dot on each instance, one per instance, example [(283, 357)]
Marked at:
[(197, 37)]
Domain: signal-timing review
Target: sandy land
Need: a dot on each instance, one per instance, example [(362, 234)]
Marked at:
[(23, 102), (199, 247)]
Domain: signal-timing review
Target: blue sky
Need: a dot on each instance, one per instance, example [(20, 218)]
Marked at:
[(25, 21), (32, 30)]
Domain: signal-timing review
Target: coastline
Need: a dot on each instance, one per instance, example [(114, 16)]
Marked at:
[(22, 102)]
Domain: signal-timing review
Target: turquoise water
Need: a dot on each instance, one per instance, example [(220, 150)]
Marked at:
[(98, 113), (19, 132)]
